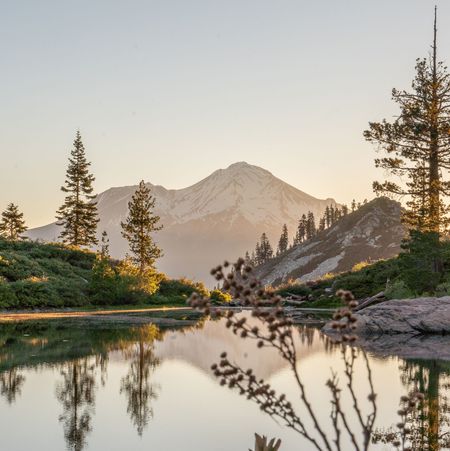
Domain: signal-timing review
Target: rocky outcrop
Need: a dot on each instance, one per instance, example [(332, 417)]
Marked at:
[(373, 232), (406, 316)]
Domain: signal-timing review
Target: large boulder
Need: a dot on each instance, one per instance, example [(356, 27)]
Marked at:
[(405, 316)]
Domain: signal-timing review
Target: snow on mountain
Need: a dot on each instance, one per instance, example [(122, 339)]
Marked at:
[(218, 218)]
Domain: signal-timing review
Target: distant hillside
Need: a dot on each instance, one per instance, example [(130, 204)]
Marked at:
[(371, 233), (218, 218), (36, 275)]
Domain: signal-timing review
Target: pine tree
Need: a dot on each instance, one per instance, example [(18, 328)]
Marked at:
[(417, 142), (265, 248), (300, 235), (78, 214), (322, 224), (12, 224), (253, 259), (353, 206), (138, 227), (310, 226), (344, 210), (258, 256), (327, 216), (104, 246), (283, 243), (332, 215)]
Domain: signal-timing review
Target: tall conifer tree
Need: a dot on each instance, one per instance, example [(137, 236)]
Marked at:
[(283, 243), (139, 226), (12, 224), (263, 251), (417, 144), (78, 214), (300, 234), (310, 226)]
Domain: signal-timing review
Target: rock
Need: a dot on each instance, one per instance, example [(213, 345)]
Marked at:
[(407, 346), (405, 316)]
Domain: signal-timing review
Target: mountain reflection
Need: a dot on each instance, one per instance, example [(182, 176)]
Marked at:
[(82, 353), (136, 384)]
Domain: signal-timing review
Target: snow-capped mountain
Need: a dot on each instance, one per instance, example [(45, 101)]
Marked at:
[(218, 218)]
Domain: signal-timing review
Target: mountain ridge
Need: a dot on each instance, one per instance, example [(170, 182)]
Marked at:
[(371, 233), (217, 218)]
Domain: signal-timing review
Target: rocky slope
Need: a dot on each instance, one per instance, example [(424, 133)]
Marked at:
[(371, 233), (218, 218)]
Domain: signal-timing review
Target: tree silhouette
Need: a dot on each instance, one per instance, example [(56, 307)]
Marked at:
[(426, 427), (11, 383), (417, 144), (136, 384), (76, 392)]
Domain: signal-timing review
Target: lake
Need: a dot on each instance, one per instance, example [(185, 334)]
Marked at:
[(80, 385)]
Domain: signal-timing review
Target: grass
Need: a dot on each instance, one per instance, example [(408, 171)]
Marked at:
[(54, 276), (364, 281)]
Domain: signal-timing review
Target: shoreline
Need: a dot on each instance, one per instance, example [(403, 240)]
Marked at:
[(8, 316)]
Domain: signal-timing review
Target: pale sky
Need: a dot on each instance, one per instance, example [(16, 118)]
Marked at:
[(170, 90)]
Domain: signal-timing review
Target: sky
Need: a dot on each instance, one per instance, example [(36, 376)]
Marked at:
[(170, 90)]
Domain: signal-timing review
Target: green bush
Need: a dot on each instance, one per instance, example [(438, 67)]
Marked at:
[(398, 290), (294, 288), (181, 287), (443, 289), (8, 298), (35, 275), (121, 284), (219, 297)]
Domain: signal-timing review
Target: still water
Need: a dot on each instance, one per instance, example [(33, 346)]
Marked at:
[(101, 386)]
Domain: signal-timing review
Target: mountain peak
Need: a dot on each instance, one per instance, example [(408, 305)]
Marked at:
[(219, 217), (238, 164), (244, 167)]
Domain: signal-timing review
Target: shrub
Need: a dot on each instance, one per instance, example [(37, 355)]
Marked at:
[(398, 290), (293, 288), (360, 265), (443, 289), (8, 298), (181, 287), (122, 284), (219, 297)]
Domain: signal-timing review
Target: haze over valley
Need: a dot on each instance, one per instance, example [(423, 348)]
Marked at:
[(220, 217)]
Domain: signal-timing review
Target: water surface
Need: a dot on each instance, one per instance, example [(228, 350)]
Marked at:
[(99, 386)]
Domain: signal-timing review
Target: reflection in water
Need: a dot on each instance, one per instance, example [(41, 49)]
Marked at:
[(11, 383), (76, 392), (136, 384), (82, 355), (427, 427)]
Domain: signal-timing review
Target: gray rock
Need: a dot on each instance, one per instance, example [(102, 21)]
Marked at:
[(405, 316), (406, 346)]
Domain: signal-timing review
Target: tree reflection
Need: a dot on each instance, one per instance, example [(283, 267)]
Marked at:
[(136, 384), (430, 424), (76, 392), (11, 383), (428, 427)]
